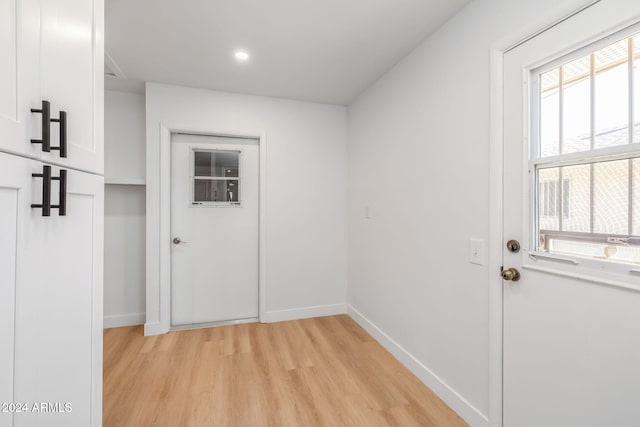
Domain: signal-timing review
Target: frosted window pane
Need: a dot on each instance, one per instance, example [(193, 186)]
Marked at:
[(577, 198), (576, 108), (636, 88), (548, 207), (612, 95), (549, 113), (636, 197), (611, 197)]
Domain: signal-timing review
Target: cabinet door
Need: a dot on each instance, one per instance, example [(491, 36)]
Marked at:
[(59, 307), (19, 74), (72, 78), (14, 195)]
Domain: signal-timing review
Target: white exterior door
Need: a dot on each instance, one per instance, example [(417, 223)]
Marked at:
[(571, 332), (214, 226)]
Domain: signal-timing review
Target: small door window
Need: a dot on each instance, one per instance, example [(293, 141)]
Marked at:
[(215, 177)]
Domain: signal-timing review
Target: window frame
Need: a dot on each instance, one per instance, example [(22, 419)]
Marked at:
[(536, 163), (192, 179)]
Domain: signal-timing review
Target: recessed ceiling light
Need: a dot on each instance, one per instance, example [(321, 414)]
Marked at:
[(241, 55)]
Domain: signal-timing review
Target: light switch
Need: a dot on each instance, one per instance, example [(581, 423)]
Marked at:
[(476, 251), (367, 212)]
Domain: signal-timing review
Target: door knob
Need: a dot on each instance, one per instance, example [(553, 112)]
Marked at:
[(177, 241), (510, 274)]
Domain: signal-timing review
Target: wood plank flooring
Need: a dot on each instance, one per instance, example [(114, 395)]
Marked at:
[(315, 372)]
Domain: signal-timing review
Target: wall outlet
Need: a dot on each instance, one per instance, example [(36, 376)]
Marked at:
[(476, 251)]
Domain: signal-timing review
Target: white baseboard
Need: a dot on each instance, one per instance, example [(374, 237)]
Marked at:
[(468, 412), (119, 320), (303, 313), (153, 328)]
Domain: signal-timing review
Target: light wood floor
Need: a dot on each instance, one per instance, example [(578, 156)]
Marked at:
[(316, 372)]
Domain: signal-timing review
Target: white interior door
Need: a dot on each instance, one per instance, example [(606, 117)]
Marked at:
[(571, 333), (214, 225)]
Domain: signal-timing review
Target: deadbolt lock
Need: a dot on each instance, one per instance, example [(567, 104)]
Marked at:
[(513, 246), (510, 274)]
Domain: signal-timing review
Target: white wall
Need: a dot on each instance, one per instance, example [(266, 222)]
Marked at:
[(124, 122), (124, 223), (419, 158), (306, 203), (124, 255)]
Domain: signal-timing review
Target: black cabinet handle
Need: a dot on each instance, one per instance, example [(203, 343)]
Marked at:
[(63, 133), (62, 201), (46, 190), (46, 131), (46, 124)]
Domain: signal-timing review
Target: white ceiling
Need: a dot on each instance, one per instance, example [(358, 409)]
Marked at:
[(314, 50)]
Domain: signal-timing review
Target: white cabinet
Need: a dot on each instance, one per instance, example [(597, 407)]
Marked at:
[(55, 47), (14, 182), (55, 278), (72, 78), (9, 58), (19, 70), (51, 267)]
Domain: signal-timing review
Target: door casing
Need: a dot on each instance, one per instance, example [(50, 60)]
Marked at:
[(166, 130)]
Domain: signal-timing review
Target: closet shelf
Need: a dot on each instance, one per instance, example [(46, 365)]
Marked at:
[(124, 181)]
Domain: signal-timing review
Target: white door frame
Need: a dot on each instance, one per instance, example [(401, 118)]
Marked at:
[(556, 16), (164, 209)]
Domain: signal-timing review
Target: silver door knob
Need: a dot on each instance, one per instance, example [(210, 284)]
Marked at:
[(510, 274), (177, 241)]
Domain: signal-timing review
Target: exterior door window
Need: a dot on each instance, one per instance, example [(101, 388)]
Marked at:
[(586, 133), (216, 178)]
